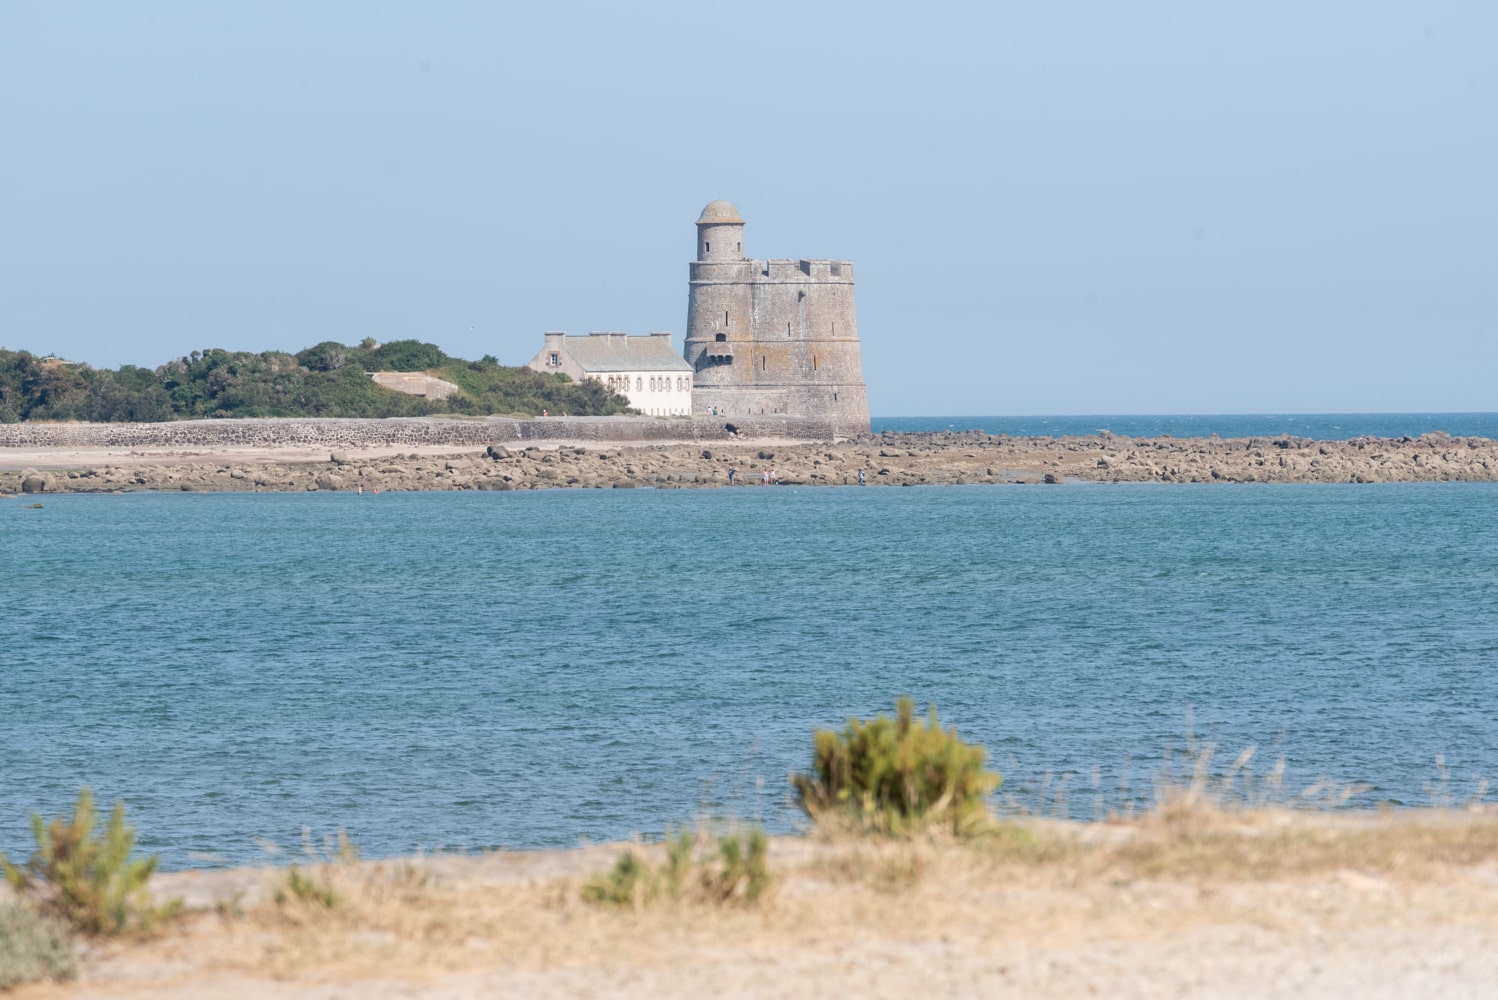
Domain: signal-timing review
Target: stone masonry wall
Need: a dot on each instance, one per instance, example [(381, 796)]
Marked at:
[(416, 431), (791, 330)]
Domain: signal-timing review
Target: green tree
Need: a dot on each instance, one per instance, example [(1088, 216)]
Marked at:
[(407, 356), (328, 379)]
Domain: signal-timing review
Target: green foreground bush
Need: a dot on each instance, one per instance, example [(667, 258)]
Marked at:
[(34, 947), (897, 776), (88, 881), (734, 870), (318, 889)]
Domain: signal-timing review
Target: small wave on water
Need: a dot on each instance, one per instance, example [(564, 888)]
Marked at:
[(568, 666)]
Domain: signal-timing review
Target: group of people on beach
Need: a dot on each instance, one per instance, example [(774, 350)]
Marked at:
[(769, 477)]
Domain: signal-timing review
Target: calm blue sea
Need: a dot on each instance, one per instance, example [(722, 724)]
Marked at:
[(467, 670), (1321, 426)]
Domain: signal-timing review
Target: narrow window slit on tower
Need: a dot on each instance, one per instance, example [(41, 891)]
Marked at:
[(768, 288)]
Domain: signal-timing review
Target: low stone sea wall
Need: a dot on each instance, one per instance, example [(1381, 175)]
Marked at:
[(413, 432), (874, 460)]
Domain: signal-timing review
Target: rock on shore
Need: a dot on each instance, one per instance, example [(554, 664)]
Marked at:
[(948, 458)]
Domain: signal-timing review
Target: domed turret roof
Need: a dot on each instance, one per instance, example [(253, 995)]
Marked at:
[(719, 211)]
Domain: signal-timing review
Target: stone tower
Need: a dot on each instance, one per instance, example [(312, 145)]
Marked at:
[(771, 336)]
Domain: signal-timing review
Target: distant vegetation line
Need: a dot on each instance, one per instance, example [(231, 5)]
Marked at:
[(326, 380)]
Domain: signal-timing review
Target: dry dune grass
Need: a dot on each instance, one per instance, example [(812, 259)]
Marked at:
[(1214, 892), (1012, 898)]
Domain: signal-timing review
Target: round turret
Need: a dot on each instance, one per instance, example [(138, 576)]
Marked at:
[(720, 232), (719, 211)]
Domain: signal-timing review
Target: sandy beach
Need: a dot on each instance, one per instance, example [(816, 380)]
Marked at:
[(1213, 905)]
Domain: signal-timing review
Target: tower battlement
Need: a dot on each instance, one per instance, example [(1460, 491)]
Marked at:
[(772, 270), (770, 336)]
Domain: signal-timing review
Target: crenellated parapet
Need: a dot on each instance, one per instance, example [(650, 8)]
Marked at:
[(777, 336)]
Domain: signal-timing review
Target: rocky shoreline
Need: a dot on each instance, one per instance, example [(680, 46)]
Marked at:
[(891, 459)]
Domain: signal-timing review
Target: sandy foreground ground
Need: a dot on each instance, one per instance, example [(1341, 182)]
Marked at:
[(1268, 905)]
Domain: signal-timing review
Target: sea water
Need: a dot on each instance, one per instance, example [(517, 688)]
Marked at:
[(1320, 426), (468, 670)]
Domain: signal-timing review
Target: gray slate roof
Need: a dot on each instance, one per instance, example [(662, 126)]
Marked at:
[(625, 354)]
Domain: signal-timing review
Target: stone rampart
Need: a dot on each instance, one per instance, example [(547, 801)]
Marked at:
[(295, 432)]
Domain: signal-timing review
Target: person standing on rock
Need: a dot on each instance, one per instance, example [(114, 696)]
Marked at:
[(860, 477), (731, 473)]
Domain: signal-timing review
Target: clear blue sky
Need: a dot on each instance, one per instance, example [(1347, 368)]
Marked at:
[(1070, 207)]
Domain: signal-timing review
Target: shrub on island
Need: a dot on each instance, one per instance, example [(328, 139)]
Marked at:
[(326, 380)]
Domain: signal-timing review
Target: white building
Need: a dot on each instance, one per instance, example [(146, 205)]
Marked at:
[(655, 379)]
